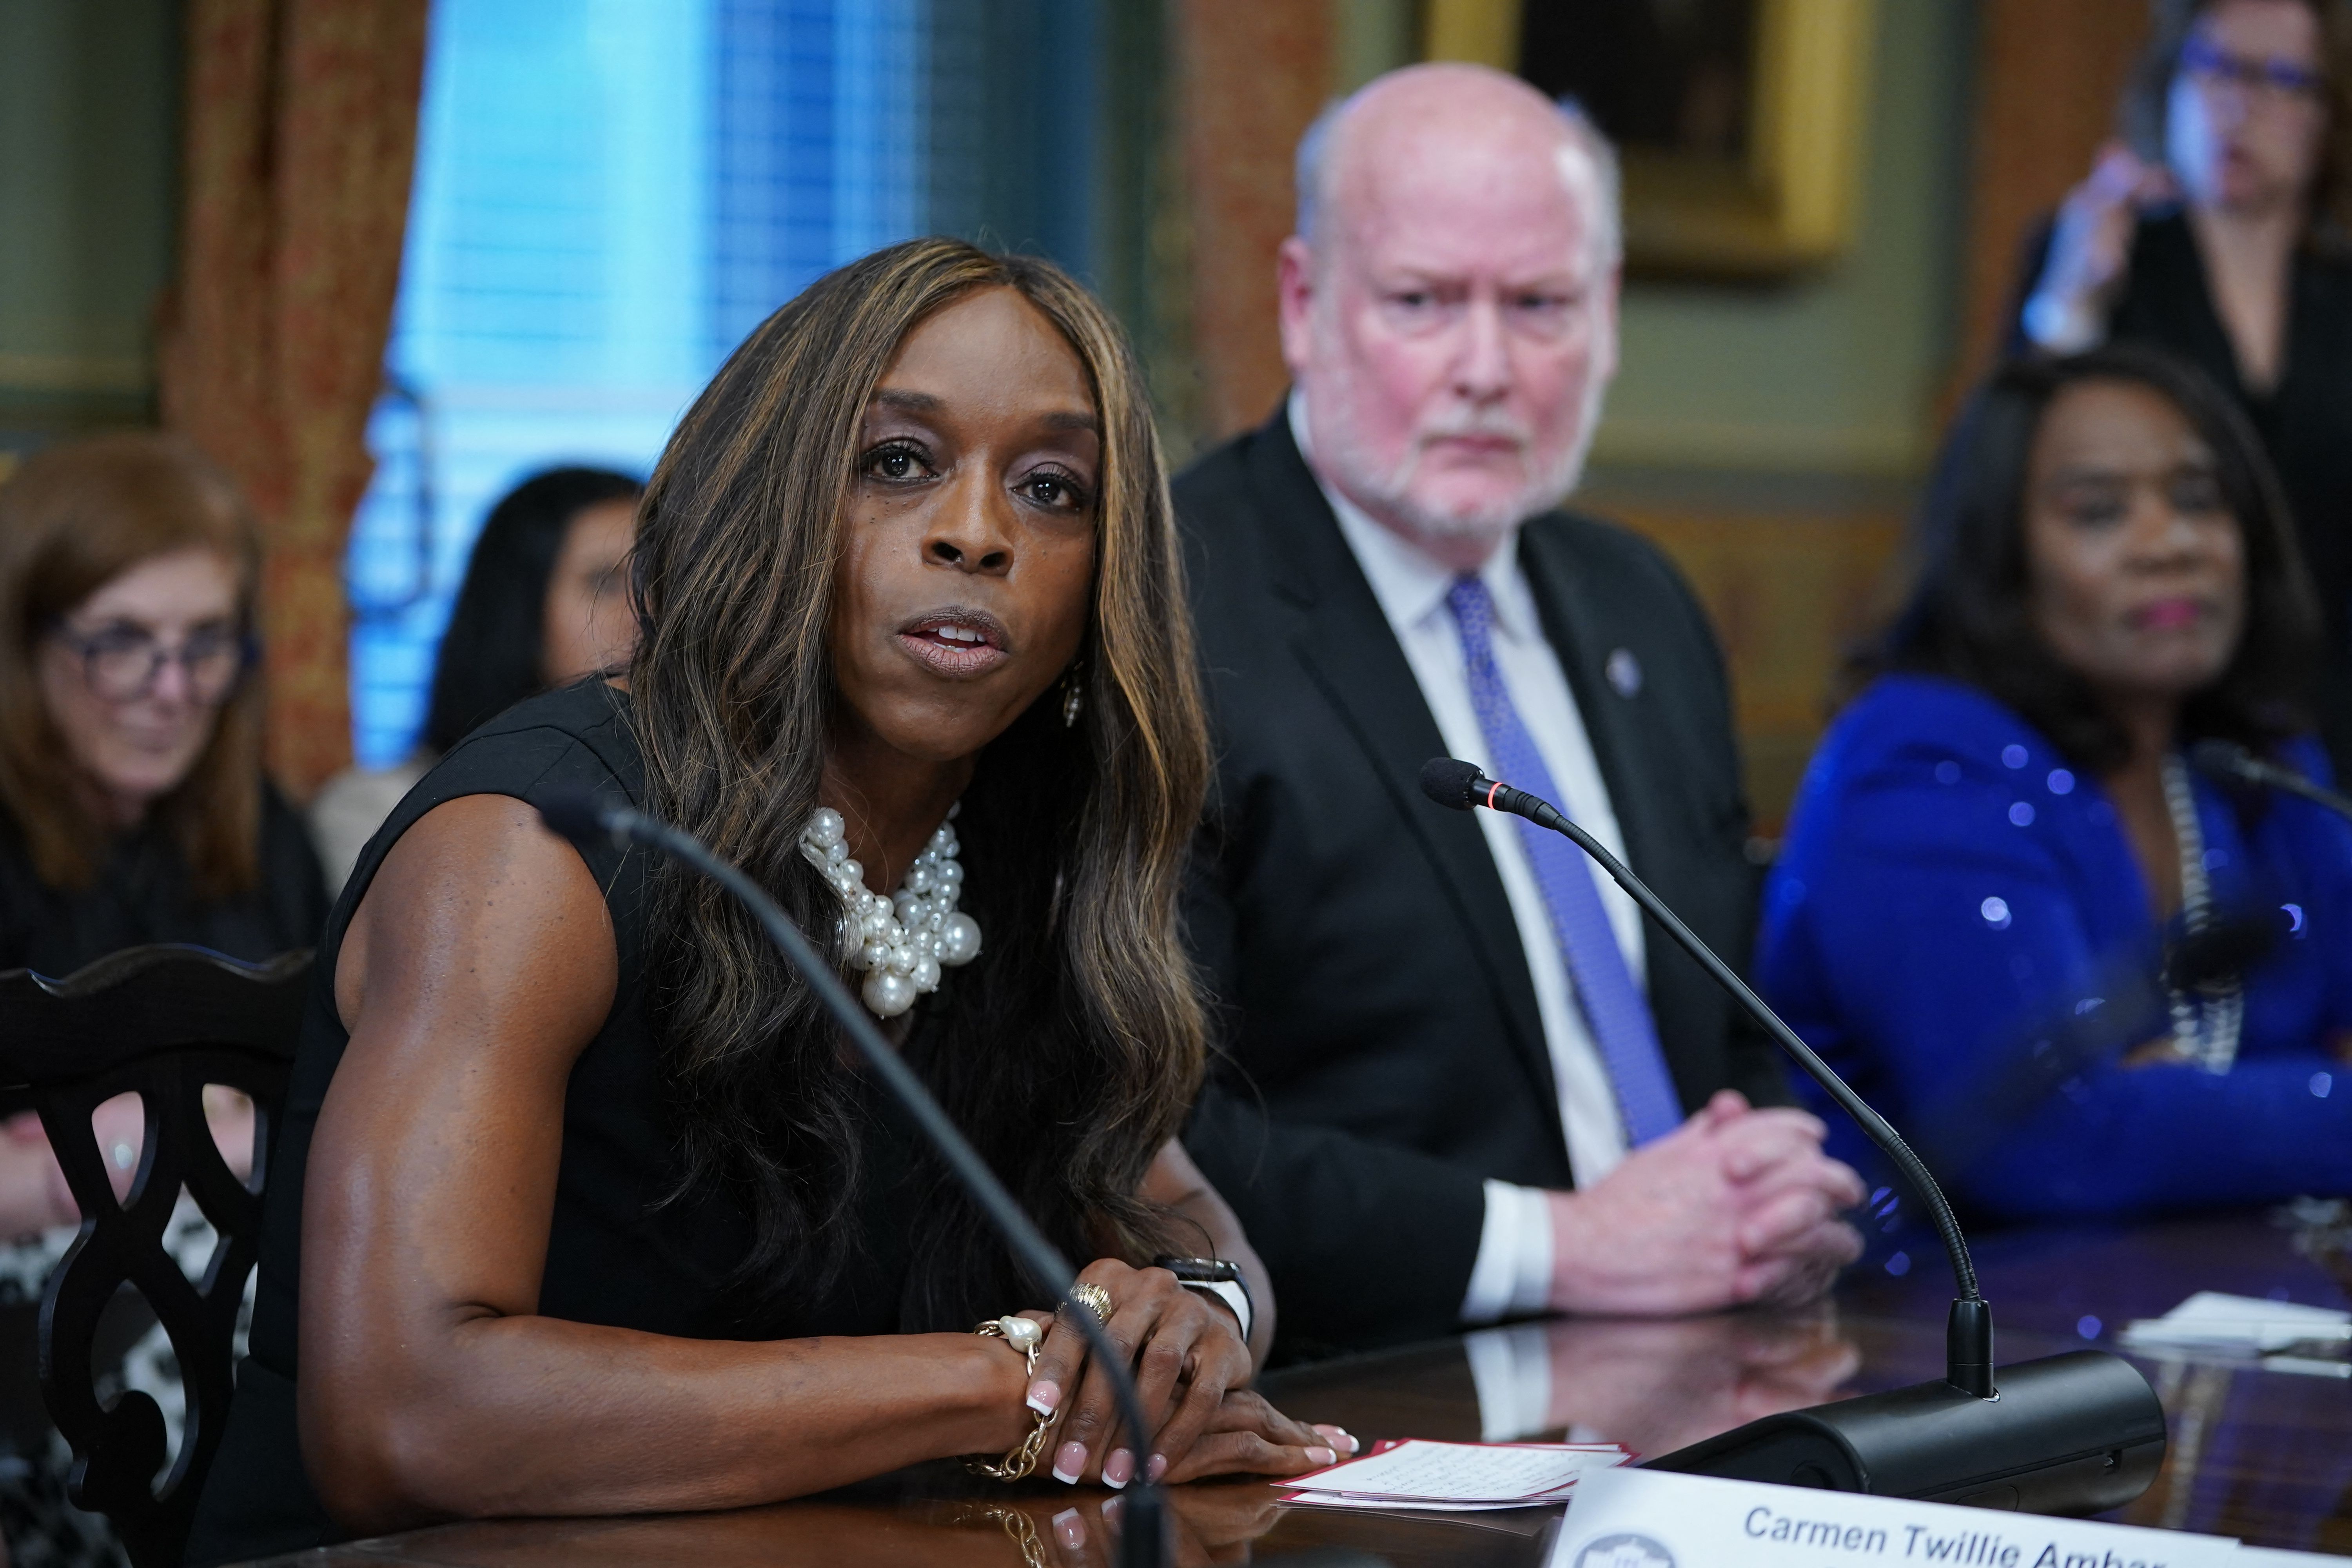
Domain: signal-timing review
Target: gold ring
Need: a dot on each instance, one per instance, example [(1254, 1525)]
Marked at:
[(1093, 1297)]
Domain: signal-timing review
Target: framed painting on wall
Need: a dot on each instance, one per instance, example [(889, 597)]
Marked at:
[(1740, 121)]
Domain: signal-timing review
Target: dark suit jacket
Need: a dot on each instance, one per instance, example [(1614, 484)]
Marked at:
[(1382, 1054)]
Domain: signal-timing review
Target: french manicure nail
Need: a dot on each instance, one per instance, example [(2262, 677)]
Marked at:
[(1070, 1463), (1110, 1509), (1043, 1396), (1070, 1529), (1119, 1469), (1158, 1468), (1322, 1457)]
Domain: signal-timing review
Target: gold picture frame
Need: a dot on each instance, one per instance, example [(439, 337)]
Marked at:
[(1785, 206)]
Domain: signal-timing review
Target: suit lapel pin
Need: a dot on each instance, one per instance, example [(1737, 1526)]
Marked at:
[(1624, 671)]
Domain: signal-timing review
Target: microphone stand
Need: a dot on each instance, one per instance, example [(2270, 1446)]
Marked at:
[(2227, 760), (582, 818), (2080, 1432)]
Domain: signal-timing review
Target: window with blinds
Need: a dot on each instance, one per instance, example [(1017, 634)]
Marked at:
[(609, 194)]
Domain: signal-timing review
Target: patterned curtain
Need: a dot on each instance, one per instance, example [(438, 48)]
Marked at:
[(300, 135)]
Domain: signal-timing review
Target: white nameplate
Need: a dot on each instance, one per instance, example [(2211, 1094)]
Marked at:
[(1648, 1518)]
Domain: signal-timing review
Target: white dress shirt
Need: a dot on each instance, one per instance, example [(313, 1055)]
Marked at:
[(1513, 1271)]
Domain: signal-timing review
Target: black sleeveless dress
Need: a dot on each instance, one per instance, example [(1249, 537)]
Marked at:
[(618, 1254)]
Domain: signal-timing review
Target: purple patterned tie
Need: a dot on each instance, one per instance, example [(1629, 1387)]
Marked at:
[(1614, 1008)]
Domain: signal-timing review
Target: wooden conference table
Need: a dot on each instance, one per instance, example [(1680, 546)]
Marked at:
[(2262, 1455)]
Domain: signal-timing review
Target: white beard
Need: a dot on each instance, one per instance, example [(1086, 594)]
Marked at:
[(1387, 491)]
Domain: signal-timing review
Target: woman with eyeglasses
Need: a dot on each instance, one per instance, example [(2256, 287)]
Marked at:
[(132, 810), (2219, 228), (133, 805)]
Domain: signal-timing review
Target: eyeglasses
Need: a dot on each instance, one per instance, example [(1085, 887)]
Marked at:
[(2271, 79), (121, 662)]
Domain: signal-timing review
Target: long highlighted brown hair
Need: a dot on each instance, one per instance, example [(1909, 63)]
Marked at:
[(72, 519), (1070, 1050)]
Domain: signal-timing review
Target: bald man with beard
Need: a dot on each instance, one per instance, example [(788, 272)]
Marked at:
[(1459, 1081)]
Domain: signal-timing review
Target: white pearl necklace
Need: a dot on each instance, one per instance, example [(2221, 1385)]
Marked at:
[(900, 943)]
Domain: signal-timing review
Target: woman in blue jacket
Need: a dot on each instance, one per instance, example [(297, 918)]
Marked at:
[(2094, 981)]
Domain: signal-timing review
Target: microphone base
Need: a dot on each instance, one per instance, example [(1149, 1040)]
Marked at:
[(2073, 1433)]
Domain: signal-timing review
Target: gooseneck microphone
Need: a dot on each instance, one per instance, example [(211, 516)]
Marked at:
[(582, 818), (2076, 1433), (2231, 761)]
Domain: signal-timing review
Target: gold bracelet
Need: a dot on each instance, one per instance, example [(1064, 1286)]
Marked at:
[(1014, 1522), (1021, 1461)]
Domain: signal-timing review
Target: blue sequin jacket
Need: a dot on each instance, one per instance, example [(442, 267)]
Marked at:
[(1958, 923)]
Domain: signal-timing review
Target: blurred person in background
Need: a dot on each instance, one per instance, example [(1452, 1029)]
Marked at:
[(2000, 836), (2220, 229), (133, 809), (133, 805), (545, 602)]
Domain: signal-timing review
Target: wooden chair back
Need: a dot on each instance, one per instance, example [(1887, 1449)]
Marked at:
[(162, 1022)]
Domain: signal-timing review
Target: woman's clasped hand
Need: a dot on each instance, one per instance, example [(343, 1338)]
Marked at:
[(1189, 1367)]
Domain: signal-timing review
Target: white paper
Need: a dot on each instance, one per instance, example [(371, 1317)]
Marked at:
[(1413, 1505), (2214, 1321), (2269, 1557), (1649, 1519), (1423, 1471)]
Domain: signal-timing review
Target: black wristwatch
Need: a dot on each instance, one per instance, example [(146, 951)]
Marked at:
[(1216, 1279)]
